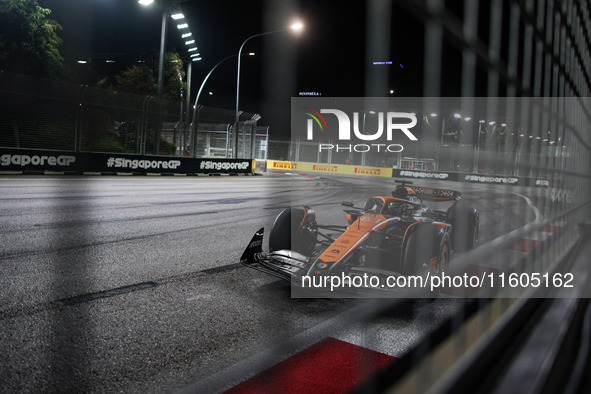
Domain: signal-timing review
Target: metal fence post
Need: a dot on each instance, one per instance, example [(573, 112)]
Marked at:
[(78, 121)]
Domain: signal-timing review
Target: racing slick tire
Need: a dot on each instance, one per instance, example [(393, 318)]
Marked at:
[(465, 224), (427, 250), (294, 229)]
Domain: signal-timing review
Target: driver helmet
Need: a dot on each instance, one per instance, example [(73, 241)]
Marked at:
[(400, 192), (396, 208)]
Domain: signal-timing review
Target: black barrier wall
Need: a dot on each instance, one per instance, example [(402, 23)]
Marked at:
[(80, 162)]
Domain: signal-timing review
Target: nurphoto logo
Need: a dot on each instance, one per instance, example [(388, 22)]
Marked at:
[(390, 122)]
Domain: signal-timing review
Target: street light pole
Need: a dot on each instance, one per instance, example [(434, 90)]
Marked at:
[(296, 27), (475, 169), (236, 125), (163, 35), (169, 7), (194, 129)]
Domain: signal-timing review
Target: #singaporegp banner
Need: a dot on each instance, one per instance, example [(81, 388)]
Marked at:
[(24, 160)]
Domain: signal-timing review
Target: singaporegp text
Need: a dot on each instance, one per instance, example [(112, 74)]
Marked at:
[(36, 160)]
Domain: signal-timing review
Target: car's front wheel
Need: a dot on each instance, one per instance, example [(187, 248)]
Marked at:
[(294, 229)]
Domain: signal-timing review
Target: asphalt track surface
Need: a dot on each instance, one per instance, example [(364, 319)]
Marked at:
[(131, 284)]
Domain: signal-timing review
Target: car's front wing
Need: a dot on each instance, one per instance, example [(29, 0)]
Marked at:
[(282, 263)]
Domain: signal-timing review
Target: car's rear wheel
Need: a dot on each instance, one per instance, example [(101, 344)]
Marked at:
[(426, 253), (441, 264), (465, 223), (426, 250)]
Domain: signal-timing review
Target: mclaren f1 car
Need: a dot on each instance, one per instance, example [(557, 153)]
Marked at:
[(390, 235)]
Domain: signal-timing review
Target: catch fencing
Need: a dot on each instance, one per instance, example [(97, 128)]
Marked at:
[(516, 337), (44, 114), (509, 48)]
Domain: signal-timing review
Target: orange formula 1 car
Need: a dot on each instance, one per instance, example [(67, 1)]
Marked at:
[(390, 235)]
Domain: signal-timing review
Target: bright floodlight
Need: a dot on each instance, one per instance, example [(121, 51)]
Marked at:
[(177, 16), (145, 2), (297, 26), (467, 118), (182, 26), (189, 42), (192, 49), (433, 115), (457, 116), (185, 35)]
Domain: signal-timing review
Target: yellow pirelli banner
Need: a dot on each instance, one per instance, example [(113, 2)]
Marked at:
[(328, 168)]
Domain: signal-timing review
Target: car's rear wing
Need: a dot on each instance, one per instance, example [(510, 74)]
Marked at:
[(431, 194), (428, 193)]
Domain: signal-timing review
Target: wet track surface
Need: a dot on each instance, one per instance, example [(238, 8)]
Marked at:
[(132, 283)]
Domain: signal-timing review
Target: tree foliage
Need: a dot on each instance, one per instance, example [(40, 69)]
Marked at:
[(136, 79), (143, 79), (29, 41), (174, 77)]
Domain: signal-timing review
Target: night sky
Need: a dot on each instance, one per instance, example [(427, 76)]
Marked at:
[(331, 56)]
